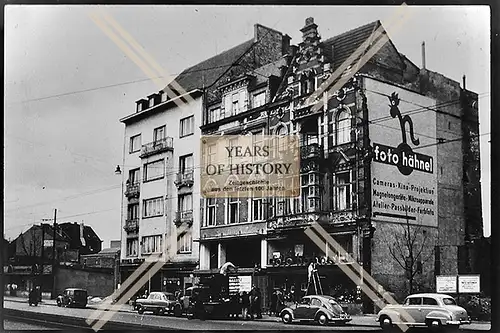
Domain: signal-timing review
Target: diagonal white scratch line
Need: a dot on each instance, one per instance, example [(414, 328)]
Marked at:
[(361, 272), (140, 50), (109, 314), (142, 268), (361, 49)]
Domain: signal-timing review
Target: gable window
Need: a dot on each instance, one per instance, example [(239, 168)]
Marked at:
[(259, 99), (211, 210), (152, 207), (342, 191), (185, 242), (154, 170), (132, 247), (186, 126), (164, 97), (343, 127), (151, 102), (235, 106), (139, 106), (159, 133), (234, 209), (135, 143), (151, 244)]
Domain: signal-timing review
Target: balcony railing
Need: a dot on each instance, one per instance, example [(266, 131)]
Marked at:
[(185, 178), (132, 189), (312, 150), (332, 259), (158, 146), (131, 225), (185, 216)]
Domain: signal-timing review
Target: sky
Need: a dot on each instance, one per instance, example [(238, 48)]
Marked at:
[(67, 84)]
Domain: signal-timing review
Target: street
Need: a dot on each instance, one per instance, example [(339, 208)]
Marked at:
[(52, 313)]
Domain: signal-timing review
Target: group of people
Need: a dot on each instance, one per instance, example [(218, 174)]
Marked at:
[(251, 304), (277, 302)]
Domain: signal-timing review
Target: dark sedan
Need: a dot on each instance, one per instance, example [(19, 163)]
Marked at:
[(319, 308), (73, 297)]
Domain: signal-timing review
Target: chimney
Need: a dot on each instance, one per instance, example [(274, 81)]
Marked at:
[(463, 80), (309, 31), (423, 55)]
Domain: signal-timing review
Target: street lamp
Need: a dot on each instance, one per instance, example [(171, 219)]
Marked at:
[(118, 171)]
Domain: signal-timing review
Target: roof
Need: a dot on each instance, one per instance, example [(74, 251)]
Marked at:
[(430, 295), (109, 250), (207, 72), (346, 43)]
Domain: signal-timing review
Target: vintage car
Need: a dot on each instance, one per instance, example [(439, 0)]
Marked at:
[(73, 297), (320, 308), (432, 310), (159, 302)]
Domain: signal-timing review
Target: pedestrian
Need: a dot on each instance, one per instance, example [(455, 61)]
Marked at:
[(274, 303), (245, 304), (281, 302), (257, 304)]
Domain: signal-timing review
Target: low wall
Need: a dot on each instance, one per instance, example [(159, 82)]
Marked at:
[(98, 282)]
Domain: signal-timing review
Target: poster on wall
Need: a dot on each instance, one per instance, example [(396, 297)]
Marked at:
[(469, 284), (403, 169), (446, 284)]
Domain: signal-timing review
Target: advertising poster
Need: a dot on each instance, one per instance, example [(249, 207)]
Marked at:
[(403, 170), (469, 284), (446, 284)]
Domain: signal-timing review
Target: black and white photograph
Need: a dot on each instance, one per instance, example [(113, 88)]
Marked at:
[(247, 167)]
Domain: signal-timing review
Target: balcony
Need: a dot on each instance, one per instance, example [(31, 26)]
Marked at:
[(185, 178), (312, 150), (334, 258), (131, 225), (132, 190), (156, 147), (185, 216)]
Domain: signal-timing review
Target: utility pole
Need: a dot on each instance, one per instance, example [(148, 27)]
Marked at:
[(53, 294), (39, 274)]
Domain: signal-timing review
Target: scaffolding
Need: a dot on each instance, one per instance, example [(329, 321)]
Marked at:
[(313, 281)]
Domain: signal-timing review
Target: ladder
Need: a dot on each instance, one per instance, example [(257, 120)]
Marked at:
[(314, 281)]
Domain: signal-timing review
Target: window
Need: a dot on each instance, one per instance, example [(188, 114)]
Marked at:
[(211, 153), (152, 244), (316, 302), (232, 143), (154, 170), (235, 106), (234, 209), (164, 97), (211, 208), (133, 211), (257, 212), (132, 247), (429, 301), (343, 127), (259, 99), (342, 188), (133, 176), (139, 107), (449, 301), (414, 301), (151, 102), (185, 202), (305, 301), (152, 207), (184, 242), (187, 126), (185, 163), (214, 115), (159, 133), (135, 143)]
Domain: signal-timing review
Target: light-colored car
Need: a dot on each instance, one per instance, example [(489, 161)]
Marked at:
[(159, 303), (432, 310), (320, 308)]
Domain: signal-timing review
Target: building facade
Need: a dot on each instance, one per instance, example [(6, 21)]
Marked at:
[(392, 152), (161, 203)]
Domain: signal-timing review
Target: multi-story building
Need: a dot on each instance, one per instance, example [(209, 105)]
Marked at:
[(161, 202), (390, 107), (393, 149)]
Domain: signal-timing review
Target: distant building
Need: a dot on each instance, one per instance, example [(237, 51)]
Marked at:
[(106, 258), (82, 237), (115, 244)]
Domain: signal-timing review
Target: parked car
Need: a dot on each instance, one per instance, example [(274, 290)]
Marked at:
[(73, 297), (188, 294), (320, 308), (159, 302), (432, 310)]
